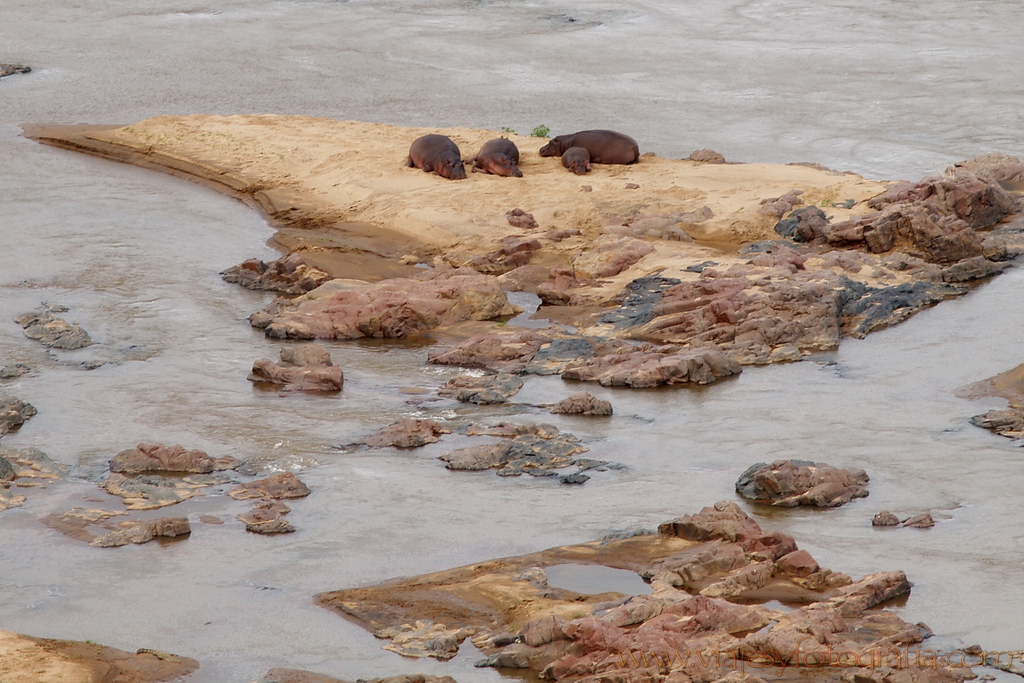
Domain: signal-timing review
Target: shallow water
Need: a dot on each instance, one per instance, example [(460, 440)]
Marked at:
[(889, 90)]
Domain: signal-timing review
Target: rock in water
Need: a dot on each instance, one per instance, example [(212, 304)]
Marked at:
[(13, 414), (484, 390), (148, 457), (278, 486), (582, 403), (306, 367), (144, 531), (789, 483), (290, 275), (54, 332), (885, 518), (410, 433)]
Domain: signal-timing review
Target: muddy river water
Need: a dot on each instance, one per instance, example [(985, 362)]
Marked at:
[(887, 89)]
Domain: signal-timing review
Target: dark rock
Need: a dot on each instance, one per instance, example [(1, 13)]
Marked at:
[(974, 268), (143, 531), (574, 478), (394, 308), (6, 470), (921, 521), (53, 332), (518, 218), (789, 483), (14, 371), (638, 301), (290, 275), (305, 367), (885, 518), (877, 309), (706, 156), (10, 69), (484, 390), (13, 414), (276, 487), (582, 403), (803, 225), (410, 433)]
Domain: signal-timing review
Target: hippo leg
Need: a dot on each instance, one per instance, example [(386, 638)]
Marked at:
[(409, 163)]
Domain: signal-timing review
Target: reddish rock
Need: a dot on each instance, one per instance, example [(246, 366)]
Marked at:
[(306, 367), (582, 403), (921, 521), (993, 168), (611, 257), (654, 366), (706, 156), (148, 457), (789, 483), (411, 433), (797, 563), (780, 206), (290, 275), (518, 218), (393, 308), (885, 518), (278, 486), (267, 517)]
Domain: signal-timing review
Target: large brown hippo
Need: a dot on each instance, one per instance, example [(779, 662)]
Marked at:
[(499, 156), (439, 154), (577, 160), (605, 146)]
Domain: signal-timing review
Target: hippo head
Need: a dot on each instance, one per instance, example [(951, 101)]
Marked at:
[(579, 166), (452, 169), (552, 149), (506, 166)]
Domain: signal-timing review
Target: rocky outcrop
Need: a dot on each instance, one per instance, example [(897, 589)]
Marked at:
[(484, 390), (151, 491), (305, 367), (789, 483), (582, 403), (610, 257), (539, 454), (277, 487), (143, 531), (148, 457), (267, 517), (693, 564), (14, 413), (56, 333), (399, 307), (289, 275), (411, 433), (14, 370), (573, 356)]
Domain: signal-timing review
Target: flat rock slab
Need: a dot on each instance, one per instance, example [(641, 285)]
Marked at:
[(705, 570), (151, 491), (485, 390), (789, 483), (14, 413), (54, 332), (305, 367), (267, 517), (279, 486), (288, 275)]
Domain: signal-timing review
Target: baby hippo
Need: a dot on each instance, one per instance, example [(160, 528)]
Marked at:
[(577, 160), (439, 154), (605, 146), (499, 156)]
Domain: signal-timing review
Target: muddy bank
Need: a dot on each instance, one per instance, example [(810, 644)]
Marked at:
[(24, 659)]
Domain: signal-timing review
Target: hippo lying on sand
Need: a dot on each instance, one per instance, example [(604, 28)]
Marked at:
[(499, 156), (439, 154), (604, 146)]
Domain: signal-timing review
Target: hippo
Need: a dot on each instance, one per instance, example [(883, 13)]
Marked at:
[(499, 156), (439, 154), (577, 160), (605, 146)]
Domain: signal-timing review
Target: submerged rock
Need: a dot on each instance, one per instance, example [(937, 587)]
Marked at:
[(148, 492), (306, 367), (14, 371), (11, 69), (789, 483), (143, 531), (14, 413), (290, 275), (484, 390), (392, 308), (921, 521), (54, 332)]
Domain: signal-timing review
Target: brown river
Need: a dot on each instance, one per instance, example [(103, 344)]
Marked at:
[(886, 89)]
